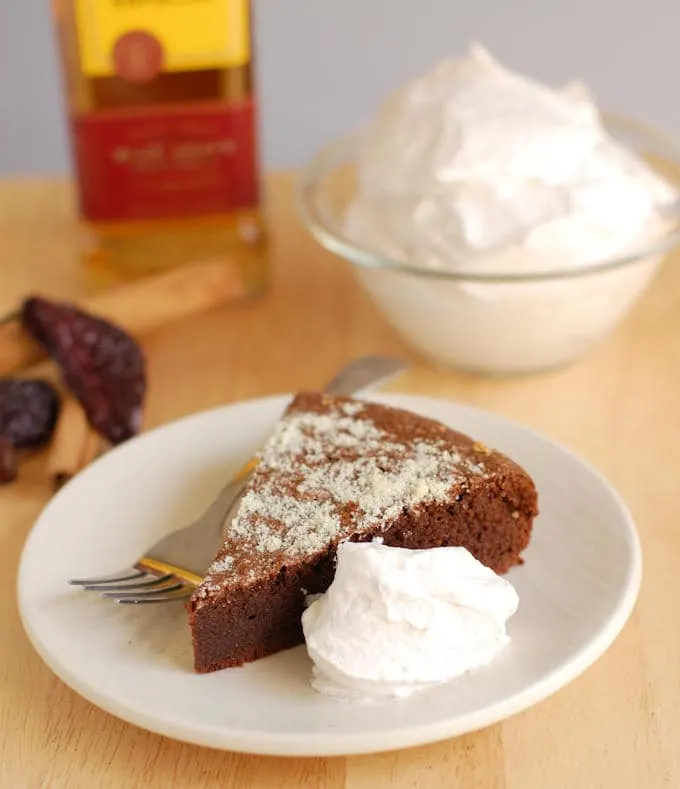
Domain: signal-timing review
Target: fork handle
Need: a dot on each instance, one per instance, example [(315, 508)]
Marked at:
[(362, 373)]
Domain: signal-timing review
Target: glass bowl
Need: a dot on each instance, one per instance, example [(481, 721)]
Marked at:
[(492, 323)]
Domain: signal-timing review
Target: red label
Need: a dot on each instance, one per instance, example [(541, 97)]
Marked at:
[(168, 162)]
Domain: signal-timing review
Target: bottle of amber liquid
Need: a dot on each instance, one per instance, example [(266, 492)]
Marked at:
[(163, 128)]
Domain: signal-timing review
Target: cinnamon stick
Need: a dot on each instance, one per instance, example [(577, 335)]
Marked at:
[(93, 447), (138, 306), (74, 444), (17, 349)]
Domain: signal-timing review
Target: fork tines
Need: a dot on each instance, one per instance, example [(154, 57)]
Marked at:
[(136, 586)]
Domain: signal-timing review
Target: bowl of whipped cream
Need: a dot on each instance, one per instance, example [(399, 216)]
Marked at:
[(502, 226)]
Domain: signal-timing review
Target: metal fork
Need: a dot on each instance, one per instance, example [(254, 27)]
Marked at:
[(171, 569)]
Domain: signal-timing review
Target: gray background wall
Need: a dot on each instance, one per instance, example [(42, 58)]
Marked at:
[(323, 64)]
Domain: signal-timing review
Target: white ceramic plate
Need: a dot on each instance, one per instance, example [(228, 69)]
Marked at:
[(577, 588)]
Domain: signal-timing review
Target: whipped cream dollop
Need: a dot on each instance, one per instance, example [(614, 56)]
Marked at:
[(395, 620), (476, 168)]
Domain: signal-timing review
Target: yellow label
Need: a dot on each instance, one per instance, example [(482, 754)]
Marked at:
[(193, 34)]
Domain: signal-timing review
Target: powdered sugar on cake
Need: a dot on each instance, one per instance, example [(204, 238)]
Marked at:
[(323, 477)]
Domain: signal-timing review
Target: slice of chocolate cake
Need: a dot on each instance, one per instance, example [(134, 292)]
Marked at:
[(340, 469)]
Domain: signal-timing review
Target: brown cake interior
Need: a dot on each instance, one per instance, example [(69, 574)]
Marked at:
[(338, 469)]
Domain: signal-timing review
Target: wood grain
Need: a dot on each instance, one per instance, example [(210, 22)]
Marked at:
[(617, 726)]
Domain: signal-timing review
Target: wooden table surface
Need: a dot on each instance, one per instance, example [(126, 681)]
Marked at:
[(616, 726)]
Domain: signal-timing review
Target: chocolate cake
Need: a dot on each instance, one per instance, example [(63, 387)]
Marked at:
[(341, 469)]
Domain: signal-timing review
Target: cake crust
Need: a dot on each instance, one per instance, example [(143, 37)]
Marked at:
[(340, 469)]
